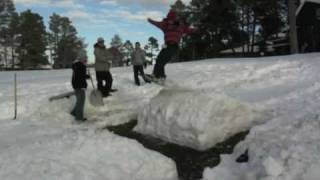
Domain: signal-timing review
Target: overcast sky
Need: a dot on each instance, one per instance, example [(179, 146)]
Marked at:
[(104, 18)]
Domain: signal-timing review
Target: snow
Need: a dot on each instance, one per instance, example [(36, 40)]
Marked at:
[(203, 102), (45, 142), (40, 152), (286, 147), (234, 93), (190, 118), (281, 149)]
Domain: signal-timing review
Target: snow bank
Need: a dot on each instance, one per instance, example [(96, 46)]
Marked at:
[(39, 152), (286, 147), (282, 149), (197, 119)]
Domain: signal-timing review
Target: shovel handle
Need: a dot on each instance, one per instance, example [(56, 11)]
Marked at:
[(91, 80)]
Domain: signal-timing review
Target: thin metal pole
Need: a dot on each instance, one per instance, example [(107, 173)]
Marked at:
[(15, 96)]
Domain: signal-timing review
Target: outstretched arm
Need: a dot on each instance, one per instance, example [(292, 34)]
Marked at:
[(159, 24)]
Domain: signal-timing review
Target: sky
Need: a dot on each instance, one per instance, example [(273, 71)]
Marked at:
[(105, 18)]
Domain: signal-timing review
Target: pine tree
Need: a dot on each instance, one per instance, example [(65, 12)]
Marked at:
[(64, 44), (270, 16), (7, 11), (153, 46), (54, 36), (13, 34), (216, 20), (33, 40), (227, 24), (180, 8), (116, 41), (117, 50), (128, 49)]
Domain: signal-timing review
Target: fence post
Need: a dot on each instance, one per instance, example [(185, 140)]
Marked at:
[(15, 96)]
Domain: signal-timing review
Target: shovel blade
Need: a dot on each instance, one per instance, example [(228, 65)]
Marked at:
[(96, 98)]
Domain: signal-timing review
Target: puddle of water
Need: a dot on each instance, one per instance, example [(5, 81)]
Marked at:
[(190, 163)]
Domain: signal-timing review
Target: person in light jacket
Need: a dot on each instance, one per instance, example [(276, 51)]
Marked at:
[(138, 59), (103, 61)]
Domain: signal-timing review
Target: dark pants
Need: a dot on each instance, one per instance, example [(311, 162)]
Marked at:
[(79, 106), (165, 55), (136, 70), (104, 81)]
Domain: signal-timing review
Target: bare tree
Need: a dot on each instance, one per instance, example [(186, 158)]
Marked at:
[(293, 27)]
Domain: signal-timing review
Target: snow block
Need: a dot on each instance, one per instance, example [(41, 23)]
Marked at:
[(194, 118)]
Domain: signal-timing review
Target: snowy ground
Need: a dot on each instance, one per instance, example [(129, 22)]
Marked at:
[(286, 147), (45, 142), (203, 103)]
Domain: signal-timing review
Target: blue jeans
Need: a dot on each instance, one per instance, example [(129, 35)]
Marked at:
[(79, 106)]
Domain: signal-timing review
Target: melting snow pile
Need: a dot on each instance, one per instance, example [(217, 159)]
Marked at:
[(196, 119)]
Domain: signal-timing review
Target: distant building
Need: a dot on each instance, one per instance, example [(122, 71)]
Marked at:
[(308, 30), (308, 25)]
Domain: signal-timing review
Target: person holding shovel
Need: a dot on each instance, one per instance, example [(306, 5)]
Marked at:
[(79, 85), (103, 61)]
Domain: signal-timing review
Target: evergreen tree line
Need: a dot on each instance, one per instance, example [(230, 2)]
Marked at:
[(151, 48), (122, 50), (228, 24), (221, 24), (26, 44)]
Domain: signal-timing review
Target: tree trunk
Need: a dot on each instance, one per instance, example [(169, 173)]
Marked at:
[(248, 29), (151, 54), (12, 53), (5, 57), (12, 57), (253, 32), (193, 52), (242, 28), (293, 27)]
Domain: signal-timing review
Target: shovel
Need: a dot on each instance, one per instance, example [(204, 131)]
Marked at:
[(95, 95)]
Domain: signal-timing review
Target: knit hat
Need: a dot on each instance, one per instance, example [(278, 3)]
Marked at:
[(82, 55), (100, 39)]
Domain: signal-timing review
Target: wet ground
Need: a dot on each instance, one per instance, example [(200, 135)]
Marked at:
[(190, 163)]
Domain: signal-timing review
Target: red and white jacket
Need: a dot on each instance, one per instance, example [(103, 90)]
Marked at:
[(173, 30)]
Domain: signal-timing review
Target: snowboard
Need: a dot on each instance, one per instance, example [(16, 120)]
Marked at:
[(61, 96), (151, 78)]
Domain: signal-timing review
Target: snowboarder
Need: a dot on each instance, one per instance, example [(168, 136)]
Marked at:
[(79, 85), (103, 61), (138, 59), (173, 30)]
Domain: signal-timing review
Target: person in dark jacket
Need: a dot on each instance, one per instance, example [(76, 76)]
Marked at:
[(173, 30), (138, 59), (79, 85)]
